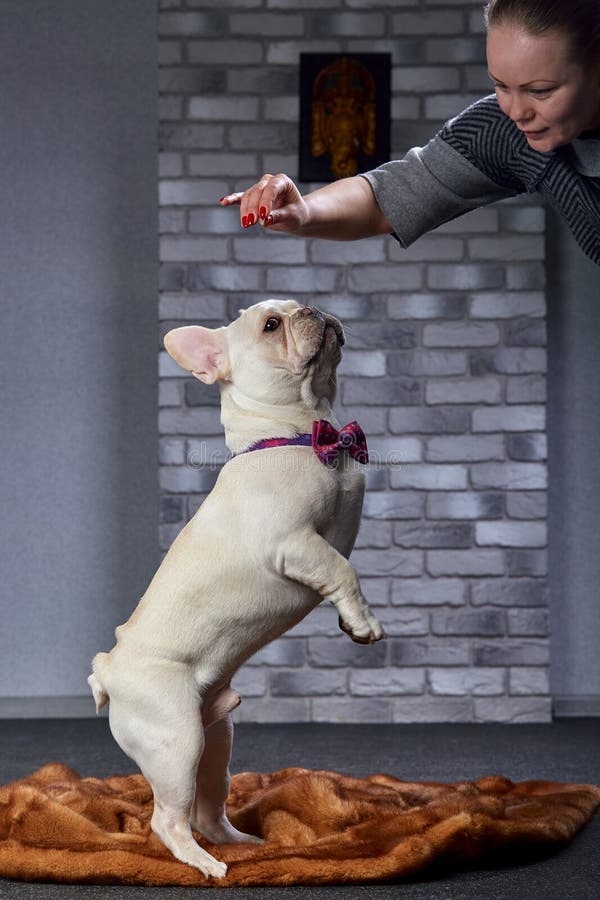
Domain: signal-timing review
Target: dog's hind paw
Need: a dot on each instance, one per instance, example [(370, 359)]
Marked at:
[(223, 832), (216, 869)]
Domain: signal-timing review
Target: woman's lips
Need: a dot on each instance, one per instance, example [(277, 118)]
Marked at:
[(535, 135)]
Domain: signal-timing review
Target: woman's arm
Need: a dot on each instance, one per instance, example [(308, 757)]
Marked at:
[(344, 210), (461, 168)]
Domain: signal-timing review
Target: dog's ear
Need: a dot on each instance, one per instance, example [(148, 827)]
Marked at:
[(203, 351)]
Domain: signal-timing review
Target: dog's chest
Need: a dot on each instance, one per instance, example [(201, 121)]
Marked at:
[(261, 498), (341, 506)]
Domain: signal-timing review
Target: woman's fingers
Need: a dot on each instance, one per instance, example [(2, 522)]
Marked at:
[(249, 201), (274, 200), (256, 201), (231, 199)]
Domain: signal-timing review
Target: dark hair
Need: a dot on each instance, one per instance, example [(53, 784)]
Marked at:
[(580, 19)]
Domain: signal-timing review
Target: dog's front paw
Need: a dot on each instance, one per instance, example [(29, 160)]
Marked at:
[(368, 633)]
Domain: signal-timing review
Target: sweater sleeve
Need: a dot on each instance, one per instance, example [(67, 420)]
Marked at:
[(478, 157), (429, 186)]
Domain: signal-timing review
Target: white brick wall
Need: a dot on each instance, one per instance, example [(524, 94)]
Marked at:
[(445, 363)]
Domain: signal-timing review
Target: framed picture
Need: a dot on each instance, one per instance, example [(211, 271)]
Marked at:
[(344, 114)]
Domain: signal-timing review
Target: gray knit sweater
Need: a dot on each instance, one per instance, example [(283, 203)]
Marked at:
[(479, 157)]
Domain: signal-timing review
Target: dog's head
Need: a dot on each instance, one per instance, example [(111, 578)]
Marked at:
[(274, 351)]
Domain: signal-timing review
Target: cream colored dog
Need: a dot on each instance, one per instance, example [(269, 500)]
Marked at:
[(269, 542)]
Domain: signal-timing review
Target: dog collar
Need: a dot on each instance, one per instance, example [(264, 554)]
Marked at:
[(326, 441)]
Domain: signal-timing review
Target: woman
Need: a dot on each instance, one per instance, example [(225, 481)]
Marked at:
[(540, 132)]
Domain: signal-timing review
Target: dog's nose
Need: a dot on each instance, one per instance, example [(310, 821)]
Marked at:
[(310, 311)]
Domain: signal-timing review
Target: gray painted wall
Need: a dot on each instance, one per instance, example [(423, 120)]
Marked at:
[(573, 293), (78, 293)]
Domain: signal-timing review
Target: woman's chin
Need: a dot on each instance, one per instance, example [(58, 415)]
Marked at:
[(543, 142)]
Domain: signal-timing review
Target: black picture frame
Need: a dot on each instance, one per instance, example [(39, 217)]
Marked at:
[(335, 91)]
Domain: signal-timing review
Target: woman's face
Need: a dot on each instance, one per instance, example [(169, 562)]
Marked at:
[(549, 96)]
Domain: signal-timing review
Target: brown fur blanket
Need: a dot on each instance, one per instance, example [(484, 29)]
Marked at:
[(320, 827)]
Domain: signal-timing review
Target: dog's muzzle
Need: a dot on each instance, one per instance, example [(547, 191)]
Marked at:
[(330, 321)]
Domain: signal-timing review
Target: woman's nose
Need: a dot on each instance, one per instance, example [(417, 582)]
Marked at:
[(519, 109)]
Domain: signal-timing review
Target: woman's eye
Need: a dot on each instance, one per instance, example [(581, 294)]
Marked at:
[(272, 324), (540, 92)]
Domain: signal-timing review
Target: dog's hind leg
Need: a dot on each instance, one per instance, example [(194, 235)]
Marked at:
[(212, 787), (167, 744)]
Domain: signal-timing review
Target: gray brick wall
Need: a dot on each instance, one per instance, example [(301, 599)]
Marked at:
[(445, 364)]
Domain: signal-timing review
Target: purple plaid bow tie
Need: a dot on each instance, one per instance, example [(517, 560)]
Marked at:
[(327, 442)]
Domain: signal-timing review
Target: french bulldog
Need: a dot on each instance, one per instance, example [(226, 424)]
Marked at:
[(270, 541)]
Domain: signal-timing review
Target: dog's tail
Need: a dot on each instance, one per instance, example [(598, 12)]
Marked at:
[(100, 695)]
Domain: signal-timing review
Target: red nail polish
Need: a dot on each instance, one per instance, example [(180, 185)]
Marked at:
[(244, 221), (262, 213), (250, 219), (223, 198), (269, 219)]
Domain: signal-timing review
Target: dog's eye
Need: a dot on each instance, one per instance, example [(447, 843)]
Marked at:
[(272, 324)]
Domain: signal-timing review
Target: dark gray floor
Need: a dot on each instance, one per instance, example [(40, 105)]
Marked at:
[(567, 750)]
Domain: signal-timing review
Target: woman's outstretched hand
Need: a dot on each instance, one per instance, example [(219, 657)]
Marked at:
[(344, 210), (274, 201)]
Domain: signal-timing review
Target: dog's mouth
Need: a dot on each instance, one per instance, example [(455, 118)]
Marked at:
[(331, 322), (331, 344), (332, 331), (333, 339)]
